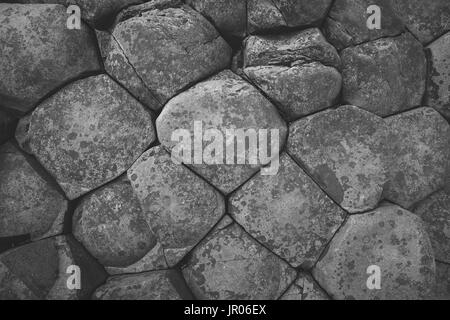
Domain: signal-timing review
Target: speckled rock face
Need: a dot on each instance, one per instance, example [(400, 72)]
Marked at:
[(346, 24), (180, 207), (29, 203), (38, 271), (36, 48), (442, 291), (223, 102), (345, 151), (389, 237), (94, 138), (169, 48), (112, 227), (158, 285), (378, 76), (7, 124), (438, 91), (230, 265), (435, 212), (420, 142), (287, 213), (305, 288)]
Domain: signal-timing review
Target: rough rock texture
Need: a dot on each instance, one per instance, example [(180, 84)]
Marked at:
[(30, 204), (379, 77), (180, 207), (438, 90), (230, 265), (39, 54), (222, 102), (288, 213), (112, 226), (7, 124), (38, 271), (305, 288), (158, 285), (389, 237), (442, 290), (435, 212), (345, 151), (94, 138), (420, 153)]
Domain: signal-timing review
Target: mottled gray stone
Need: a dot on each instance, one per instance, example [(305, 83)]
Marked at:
[(389, 237), (442, 290), (39, 271), (420, 153), (7, 124), (180, 207), (29, 203), (157, 285), (94, 138), (345, 151), (36, 48), (435, 212), (287, 213), (230, 265), (438, 90), (305, 288), (379, 77), (112, 226), (222, 102)]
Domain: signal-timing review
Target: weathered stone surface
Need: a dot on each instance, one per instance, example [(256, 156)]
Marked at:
[(442, 290), (379, 77), (112, 227), (94, 138), (39, 53), (305, 288), (420, 152), (389, 237), (438, 90), (180, 207), (287, 213), (230, 265), (299, 90), (157, 285), (38, 271), (346, 24), (169, 48), (290, 49), (435, 212), (29, 203), (7, 124), (222, 102), (345, 151)]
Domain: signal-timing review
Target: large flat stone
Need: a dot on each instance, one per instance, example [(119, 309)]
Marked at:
[(442, 291)]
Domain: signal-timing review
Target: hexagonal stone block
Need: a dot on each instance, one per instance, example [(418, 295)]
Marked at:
[(180, 207), (230, 265), (300, 90), (442, 290), (345, 151), (223, 102), (420, 142), (438, 90), (7, 124), (435, 212), (287, 213), (39, 53), (94, 138), (390, 238), (168, 45), (305, 288), (378, 76), (30, 203), (39, 271), (346, 24), (112, 226)]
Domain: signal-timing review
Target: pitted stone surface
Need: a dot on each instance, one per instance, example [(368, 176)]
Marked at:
[(442, 291), (389, 237), (379, 77), (230, 265), (305, 288), (420, 144), (94, 138), (288, 213), (345, 151), (180, 207), (39, 54)]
